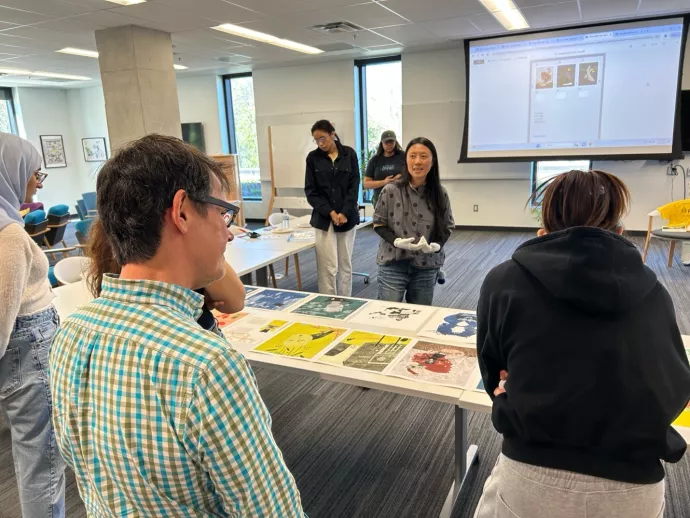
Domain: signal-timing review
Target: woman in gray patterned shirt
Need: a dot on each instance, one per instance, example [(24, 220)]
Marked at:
[(414, 219)]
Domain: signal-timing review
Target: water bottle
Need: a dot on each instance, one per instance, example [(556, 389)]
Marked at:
[(286, 220)]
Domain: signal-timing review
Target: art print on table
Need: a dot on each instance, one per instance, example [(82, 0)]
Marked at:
[(330, 307), (225, 319), (253, 330), (454, 326), (367, 351), (301, 340), (684, 418), (447, 365), (393, 316), (251, 290), (275, 300)]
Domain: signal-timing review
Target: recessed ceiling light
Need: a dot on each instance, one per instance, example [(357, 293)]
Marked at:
[(180, 67), (243, 32), (507, 14), (79, 52), (126, 2), (55, 75)]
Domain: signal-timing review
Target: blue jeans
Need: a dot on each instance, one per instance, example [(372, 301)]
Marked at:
[(401, 279), (26, 404)]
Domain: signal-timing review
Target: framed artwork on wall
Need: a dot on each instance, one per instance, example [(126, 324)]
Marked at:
[(53, 151), (95, 149)]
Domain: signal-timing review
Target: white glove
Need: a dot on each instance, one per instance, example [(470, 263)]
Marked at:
[(428, 248), (406, 244)]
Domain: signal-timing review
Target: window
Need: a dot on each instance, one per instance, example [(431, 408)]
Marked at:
[(239, 103), (8, 121), (378, 98), (545, 169)]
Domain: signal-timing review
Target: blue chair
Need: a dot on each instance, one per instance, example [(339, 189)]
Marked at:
[(82, 230), (81, 209), (89, 203), (36, 225), (58, 217), (51, 277)]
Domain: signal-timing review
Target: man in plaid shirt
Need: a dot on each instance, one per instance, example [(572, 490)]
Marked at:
[(157, 416)]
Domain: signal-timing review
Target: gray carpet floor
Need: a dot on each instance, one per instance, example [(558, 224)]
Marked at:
[(357, 453)]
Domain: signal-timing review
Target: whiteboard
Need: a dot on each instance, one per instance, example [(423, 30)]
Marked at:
[(290, 145)]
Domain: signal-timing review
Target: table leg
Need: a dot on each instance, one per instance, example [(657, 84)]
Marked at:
[(262, 277), (466, 457)]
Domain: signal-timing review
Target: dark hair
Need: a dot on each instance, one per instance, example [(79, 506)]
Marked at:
[(396, 150), (435, 197), (137, 185), (582, 199), (103, 260), (325, 125)]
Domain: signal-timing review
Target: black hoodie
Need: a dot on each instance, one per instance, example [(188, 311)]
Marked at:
[(596, 366)]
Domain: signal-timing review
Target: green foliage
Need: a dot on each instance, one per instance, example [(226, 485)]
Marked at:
[(365, 155), (245, 122), (5, 125)]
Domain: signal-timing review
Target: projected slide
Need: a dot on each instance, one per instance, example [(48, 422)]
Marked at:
[(602, 91)]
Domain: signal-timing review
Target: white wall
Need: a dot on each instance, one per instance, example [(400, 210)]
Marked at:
[(198, 101), (499, 189), (45, 111)]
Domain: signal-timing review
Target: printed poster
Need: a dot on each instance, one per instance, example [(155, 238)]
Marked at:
[(274, 300), (250, 290), (447, 365), (225, 319), (393, 316), (252, 330), (458, 327), (301, 340), (367, 351), (330, 307)]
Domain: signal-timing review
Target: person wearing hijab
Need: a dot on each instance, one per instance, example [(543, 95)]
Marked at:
[(28, 322)]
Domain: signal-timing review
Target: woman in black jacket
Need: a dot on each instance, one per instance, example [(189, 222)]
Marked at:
[(580, 351), (332, 187)]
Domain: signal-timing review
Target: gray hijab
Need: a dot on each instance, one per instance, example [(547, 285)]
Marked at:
[(18, 161)]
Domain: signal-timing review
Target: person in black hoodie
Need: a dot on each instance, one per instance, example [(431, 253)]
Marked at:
[(331, 185), (579, 349)]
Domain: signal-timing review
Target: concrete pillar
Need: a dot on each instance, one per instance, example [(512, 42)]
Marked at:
[(139, 83)]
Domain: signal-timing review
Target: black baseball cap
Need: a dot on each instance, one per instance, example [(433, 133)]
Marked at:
[(388, 135)]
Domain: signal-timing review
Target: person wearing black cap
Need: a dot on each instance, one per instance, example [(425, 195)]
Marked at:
[(385, 166)]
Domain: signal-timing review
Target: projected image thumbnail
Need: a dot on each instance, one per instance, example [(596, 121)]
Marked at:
[(544, 77), (566, 75), (589, 73)]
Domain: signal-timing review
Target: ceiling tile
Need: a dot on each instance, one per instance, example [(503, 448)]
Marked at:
[(536, 3), (160, 16), (216, 10), (37, 38), (487, 24), (370, 16), (555, 15), (408, 34), (296, 28), (102, 19), (611, 9), (661, 6), (286, 7), (452, 28), (19, 17), (56, 8), (420, 11)]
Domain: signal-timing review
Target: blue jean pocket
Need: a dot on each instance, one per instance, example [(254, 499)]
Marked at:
[(10, 370)]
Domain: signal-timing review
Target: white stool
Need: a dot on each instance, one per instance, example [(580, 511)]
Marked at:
[(71, 269)]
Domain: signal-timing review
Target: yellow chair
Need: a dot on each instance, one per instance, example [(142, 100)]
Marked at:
[(677, 214)]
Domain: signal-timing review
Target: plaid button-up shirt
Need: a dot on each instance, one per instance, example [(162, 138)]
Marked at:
[(158, 417)]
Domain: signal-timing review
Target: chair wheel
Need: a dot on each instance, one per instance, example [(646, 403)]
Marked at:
[(366, 280)]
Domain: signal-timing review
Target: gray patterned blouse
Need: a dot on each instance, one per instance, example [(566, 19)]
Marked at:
[(406, 211)]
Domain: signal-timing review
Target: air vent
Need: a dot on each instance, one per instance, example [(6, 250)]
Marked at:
[(337, 28)]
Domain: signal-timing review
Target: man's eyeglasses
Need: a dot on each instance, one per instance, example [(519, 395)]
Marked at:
[(230, 212), (40, 176)]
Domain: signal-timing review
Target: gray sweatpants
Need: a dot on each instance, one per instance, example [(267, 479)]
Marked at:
[(517, 490), (334, 261)]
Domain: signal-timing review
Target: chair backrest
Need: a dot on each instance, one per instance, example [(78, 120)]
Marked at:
[(57, 224), (36, 225), (71, 269), (81, 209), (89, 200), (82, 230), (677, 213)]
